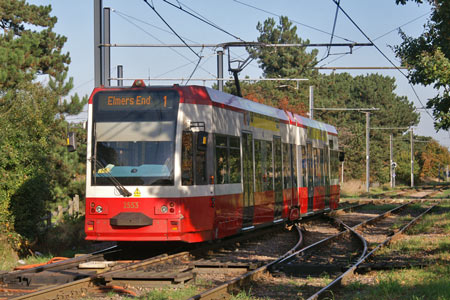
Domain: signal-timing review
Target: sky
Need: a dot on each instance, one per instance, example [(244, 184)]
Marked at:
[(135, 22)]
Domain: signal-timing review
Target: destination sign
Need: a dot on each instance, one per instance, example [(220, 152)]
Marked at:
[(136, 100), (139, 100)]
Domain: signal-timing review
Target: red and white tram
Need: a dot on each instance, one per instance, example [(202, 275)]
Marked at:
[(190, 163)]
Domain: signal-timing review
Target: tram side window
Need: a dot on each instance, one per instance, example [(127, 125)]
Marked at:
[(258, 167), (334, 164), (228, 159), (294, 164), (326, 172), (316, 159), (201, 178), (263, 166), (235, 159), (304, 167), (193, 171), (268, 166), (321, 165), (287, 172)]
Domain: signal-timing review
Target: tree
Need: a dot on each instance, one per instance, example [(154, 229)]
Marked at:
[(433, 160), (428, 59), (35, 168), (335, 90), (25, 53), (283, 61), (373, 90)]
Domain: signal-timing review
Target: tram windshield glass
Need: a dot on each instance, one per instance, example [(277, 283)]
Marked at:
[(134, 137)]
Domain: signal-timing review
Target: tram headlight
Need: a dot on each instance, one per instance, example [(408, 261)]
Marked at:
[(164, 209), (99, 209)]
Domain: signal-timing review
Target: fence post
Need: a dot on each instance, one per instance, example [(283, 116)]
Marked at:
[(70, 207), (60, 213), (49, 219), (76, 204)]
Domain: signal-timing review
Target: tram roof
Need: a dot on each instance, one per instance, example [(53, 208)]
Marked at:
[(252, 106)]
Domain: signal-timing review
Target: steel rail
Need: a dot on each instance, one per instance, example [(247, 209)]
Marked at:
[(60, 264), (343, 277), (223, 290), (351, 229), (80, 287)]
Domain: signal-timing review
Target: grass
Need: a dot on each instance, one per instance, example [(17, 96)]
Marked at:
[(246, 295), (417, 283), (436, 222), (444, 194), (171, 293), (428, 241), (175, 293), (377, 207), (9, 257)]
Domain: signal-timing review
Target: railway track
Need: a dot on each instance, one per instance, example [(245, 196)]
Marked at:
[(94, 273), (338, 253), (227, 266)]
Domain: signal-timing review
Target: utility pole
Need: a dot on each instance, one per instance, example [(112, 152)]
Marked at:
[(98, 76), (220, 70), (119, 75), (311, 102), (367, 152), (367, 112), (391, 158), (106, 50), (412, 157), (392, 164)]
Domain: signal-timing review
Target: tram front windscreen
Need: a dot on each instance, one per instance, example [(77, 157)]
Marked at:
[(134, 136)]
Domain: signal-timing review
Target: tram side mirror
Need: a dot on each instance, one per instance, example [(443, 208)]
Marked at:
[(202, 140), (71, 142), (341, 156)]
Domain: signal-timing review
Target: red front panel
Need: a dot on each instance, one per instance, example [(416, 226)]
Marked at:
[(186, 219)]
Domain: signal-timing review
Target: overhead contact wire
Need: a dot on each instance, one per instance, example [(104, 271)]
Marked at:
[(170, 27), (201, 18), (297, 22), (379, 37), (122, 15), (332, 35), (382, 53)]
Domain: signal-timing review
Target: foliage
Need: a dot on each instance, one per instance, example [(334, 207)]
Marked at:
[(373, 90), (283, 61), (433, 160), (66, 236), (35, 167), (428, 59), (335, 91), (25, 52)]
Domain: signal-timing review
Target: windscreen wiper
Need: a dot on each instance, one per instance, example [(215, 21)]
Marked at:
[(122, 190)]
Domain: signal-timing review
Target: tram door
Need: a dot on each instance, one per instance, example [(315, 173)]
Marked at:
[(248, 179), (309, 159), (278, 168)]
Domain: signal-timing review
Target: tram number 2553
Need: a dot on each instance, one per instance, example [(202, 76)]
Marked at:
[(131, 205)]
